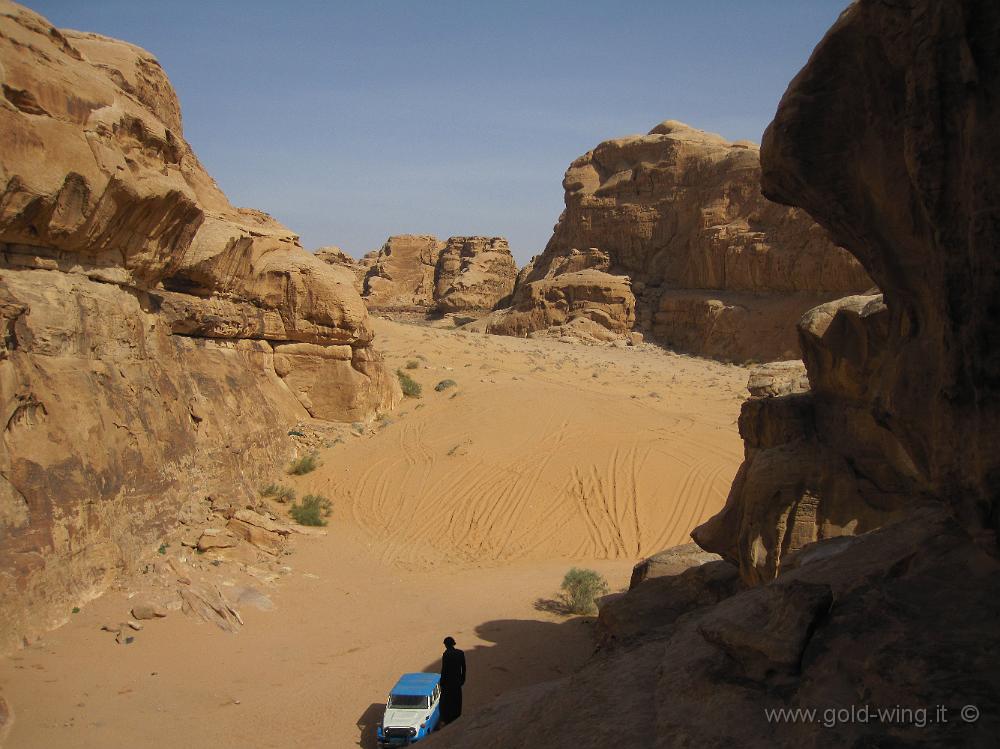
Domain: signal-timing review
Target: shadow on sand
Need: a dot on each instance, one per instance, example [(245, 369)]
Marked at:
[(518, 653), (366, 725)]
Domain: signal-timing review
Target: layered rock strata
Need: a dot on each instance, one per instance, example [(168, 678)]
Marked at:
[(677, 216), (156, 341)]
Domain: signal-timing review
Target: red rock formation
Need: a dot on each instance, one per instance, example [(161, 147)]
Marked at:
[(715, 268), (157, 342)]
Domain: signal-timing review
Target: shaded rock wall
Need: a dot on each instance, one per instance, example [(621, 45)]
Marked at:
[(714, 267), (156, 341), (902, 407)]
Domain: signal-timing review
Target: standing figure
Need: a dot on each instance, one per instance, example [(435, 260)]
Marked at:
[(452, 679)]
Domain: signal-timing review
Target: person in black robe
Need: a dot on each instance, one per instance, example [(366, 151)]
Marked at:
[(452, 679)]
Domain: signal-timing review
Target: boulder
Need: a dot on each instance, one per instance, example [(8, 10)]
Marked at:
[(669, 562), (269, 541), (215, 538), (262, 532), (145, 610), (209, 604), (654, 604)]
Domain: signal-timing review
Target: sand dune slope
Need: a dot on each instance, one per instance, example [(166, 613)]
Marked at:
[(544, 451)]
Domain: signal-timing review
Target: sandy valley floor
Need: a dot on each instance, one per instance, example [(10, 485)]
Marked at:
[(453, 515)]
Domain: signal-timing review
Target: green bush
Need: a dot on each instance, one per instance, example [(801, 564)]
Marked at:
[(313, 511), (579, 589), (305, 464), (412, 364), (278, 493), (445, 384), (411, 388)]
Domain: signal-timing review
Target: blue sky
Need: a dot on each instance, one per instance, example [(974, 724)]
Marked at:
[(353, 121)]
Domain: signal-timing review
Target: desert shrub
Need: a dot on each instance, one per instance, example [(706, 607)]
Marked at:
[(580, 588), (314, 510), (412, 364), (278, 493), (303, 465), (445, 384), (411, 388)]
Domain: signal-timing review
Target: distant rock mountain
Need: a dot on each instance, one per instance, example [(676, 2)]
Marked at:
[(156, 341), (676, 224), (419, 273)]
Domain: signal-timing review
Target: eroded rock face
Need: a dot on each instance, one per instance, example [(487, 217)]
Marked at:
[(418, 273), (402, 276), (815, 467), (156, 341), (715, 268), (356, 269), (901, 409), (474, 274)]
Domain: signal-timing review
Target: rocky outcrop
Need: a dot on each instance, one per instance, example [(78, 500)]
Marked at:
[(814, 467), (402, 276), (473, 274), (586, 303), (156, 341), (902, 386), (669, 562), (888, 137), (418, 273), (677, 214)]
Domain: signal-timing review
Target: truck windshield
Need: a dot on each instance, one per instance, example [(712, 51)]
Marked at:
[(411, 701)]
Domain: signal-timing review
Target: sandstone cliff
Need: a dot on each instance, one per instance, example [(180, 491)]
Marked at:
[(156, 341), (418, 273), (709, 265), (888, 137)]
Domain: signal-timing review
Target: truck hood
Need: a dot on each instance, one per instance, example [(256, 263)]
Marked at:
[(397, 717)]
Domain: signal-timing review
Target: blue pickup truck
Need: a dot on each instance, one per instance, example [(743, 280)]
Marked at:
[(412, 710)]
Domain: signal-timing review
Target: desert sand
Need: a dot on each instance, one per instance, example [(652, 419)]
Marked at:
[(457, 514)]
